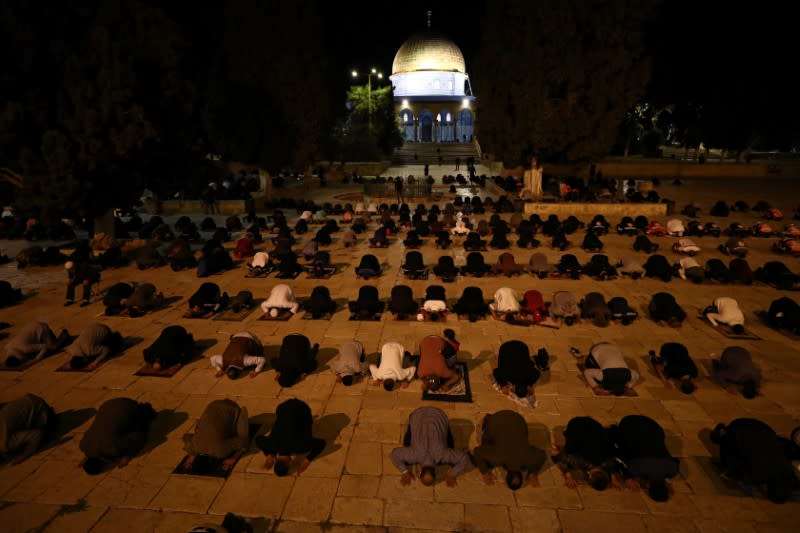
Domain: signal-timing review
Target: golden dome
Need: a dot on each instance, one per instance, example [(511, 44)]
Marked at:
[(428, 51)]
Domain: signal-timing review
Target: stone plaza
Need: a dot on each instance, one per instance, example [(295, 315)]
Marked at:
[(353, 485)]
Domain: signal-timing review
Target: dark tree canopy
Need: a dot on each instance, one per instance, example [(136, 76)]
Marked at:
[(268, 102), (102, 98), (576, 68)]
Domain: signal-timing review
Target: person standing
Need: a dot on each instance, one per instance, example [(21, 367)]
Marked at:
[(458, 163), (398, 188)]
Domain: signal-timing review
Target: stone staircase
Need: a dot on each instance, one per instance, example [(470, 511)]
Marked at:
[(421, 153)]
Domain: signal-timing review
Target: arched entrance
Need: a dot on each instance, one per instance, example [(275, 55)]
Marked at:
[(407, 125), (464, 126), (426, 126), (445, 119)]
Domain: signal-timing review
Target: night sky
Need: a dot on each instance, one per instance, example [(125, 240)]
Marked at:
[(367, 34), (688, 40)]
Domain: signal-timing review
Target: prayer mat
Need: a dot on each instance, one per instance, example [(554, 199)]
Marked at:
[(727, 330), (514, 321), (283, 316), (189, 314), (229, 315), (465, 318), (263, 274), (460, 392), (21, 368), (326, 274), (529, 402), (550, 322), (309, 316), (582, 367), (213, 466), (127, 342), (149, 371), (558, 275), (374, 318), (288, 276), (66, 368), (411, 317)]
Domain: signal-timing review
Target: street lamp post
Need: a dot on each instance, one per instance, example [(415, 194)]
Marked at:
[(379, 75)]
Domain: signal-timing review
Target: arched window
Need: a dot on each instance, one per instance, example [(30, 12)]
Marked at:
[(448, 117)]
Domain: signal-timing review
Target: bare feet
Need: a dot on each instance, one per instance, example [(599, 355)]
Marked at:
[(632, 485), (303, 466), (406, 478), (253, 374), (123, 461), (157, 366), (269, 462), (629, 392), (569, 481), (219, 374), (533, 480), (488, 478), (450, 480), (600, 391), (228, 463)]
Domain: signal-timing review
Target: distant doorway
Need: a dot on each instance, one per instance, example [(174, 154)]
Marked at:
[(426, 126)]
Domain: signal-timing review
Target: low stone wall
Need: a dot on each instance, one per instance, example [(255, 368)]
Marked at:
[(226, 207), (613, 212), (667, 169)]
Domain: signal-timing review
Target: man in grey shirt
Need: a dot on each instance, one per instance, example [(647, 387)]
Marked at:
[(350, 363), (735, 366), (35, 340), (428, 442), (93, 346), (25, 424), (606, 371)]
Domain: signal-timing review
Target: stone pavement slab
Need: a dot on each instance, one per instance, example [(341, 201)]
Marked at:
[(352, 485)]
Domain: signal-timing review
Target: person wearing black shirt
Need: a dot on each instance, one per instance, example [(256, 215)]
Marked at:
[(291, 434), (639, 447), (586, 450), (296, 359), (751, 452), (673, 362), (515, 369)]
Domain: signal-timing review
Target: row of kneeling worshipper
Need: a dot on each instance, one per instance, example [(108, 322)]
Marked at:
[(629, 455), (175, 346)]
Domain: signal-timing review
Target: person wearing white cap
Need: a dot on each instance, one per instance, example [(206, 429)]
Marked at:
[(81, 274)]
